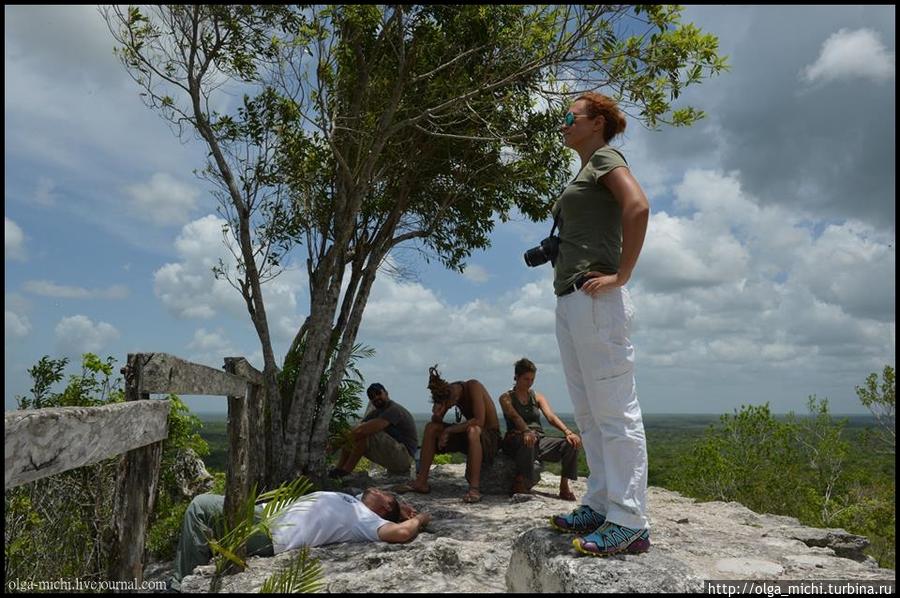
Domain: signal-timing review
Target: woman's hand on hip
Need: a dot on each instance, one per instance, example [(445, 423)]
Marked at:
[(600, 283)]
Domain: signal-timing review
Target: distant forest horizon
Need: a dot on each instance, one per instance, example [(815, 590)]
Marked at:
[(854, 418)]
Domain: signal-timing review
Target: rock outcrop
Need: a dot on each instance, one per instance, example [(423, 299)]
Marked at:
[(191, 476), (498, 477), (503, 544)]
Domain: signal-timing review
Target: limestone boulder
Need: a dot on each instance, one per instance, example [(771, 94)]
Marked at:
[(544, 561)]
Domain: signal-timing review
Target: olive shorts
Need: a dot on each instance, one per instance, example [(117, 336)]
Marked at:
[(391, 454)]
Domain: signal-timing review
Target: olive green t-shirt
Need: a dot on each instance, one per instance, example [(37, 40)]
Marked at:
[(590, 222)]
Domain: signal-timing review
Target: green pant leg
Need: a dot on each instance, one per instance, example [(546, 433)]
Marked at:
[(202, 519)]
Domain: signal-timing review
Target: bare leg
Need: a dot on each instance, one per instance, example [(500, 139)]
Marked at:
[(351, 456), (474, 459), (429, 447), (564, 492)]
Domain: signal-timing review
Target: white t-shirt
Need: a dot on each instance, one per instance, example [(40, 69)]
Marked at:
[(325, 518)]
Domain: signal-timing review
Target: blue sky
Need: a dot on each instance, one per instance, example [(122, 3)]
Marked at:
[(767, 274)]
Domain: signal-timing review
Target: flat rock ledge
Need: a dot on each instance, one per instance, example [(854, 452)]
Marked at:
[(503, 544)]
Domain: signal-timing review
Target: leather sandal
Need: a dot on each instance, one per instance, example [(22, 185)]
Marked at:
[(472, 496)]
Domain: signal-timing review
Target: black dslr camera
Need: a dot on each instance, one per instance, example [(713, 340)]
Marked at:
[(546, 251)]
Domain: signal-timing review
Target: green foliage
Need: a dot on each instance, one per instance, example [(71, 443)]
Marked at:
[(218, 483), (165, 521), (800, 466), (735, 460), (184, 434), (447, 458), (303, 576), (363, 465), (164, 532), (93, 387), (880, 401), (870, 510), (350, 389)]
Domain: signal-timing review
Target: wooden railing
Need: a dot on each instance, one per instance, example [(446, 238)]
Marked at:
[(43, 442)]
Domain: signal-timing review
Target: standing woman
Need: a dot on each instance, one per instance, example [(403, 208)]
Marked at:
[(603, 216)]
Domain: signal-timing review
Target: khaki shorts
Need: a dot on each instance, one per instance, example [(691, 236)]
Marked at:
[(384, 450), (459, 443)]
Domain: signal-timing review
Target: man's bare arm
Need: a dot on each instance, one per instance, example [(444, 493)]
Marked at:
[(370, 427), (400, 533), (479, 395)]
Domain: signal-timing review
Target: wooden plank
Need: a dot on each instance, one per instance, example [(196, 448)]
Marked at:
[(134, 501), (243, 369), (236, 472), (236, 482), (258, 430), (135, 495), (164, 373), (256, 425), (43, 442)]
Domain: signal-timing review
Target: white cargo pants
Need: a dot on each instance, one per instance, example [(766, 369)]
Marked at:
[(598, 360)]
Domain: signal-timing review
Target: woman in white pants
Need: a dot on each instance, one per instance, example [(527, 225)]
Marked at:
[(602, 216)]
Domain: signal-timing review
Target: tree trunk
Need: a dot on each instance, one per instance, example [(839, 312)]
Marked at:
[(323, 303), (319, 432)]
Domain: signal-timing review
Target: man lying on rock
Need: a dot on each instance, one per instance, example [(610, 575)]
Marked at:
[(478, 437), (387, 436), (314, 520)]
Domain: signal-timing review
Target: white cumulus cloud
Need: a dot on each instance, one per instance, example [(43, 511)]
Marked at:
[(163, 200), (16, 326), (849, 55), (188, 289), (51, 289), (13, 241), (476, 274), (79, 334), (210, 347)]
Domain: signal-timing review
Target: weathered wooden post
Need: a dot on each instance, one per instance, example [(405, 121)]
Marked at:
[(257, 428), (236, 472), (135, 495)]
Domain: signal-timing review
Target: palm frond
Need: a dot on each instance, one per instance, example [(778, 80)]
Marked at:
[(303, 576), (235, 538), (230, 556), (282, 497)]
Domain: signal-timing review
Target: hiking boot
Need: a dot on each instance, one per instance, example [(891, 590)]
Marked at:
[(582, 520), (612, 538)]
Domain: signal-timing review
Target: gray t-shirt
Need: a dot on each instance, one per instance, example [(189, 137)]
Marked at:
[(590, 229), (401, 425)]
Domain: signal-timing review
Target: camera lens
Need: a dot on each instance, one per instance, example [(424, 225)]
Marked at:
[(536, 256)]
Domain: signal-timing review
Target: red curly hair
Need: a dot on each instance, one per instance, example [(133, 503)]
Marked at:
[(600, 105)]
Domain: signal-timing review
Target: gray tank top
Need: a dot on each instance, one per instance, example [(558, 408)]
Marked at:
[(528, 412)]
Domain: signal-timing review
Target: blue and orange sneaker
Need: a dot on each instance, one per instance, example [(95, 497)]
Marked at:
[(582, 520), (612, 538)]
